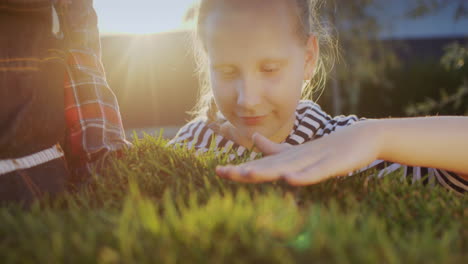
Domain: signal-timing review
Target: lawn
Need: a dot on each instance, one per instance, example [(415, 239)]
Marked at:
[(165, 205)]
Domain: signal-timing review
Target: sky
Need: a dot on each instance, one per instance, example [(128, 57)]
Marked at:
[(140, 16), (441, 23), (154, 16)]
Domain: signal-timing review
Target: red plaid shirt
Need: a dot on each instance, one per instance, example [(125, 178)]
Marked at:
[(94, 124)]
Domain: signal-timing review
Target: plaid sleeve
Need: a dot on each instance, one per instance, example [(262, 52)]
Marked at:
[(94, 125)]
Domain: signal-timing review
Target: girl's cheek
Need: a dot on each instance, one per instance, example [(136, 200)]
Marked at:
[(224, 93), (284, 93), (275, 86), (222, 88)]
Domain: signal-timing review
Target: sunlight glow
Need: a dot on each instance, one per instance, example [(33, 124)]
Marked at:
[(141, 16)]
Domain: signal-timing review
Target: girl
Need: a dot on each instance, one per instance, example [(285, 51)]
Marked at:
[(256, 55)]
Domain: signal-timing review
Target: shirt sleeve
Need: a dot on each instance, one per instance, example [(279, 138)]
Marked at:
[(427, 176), (196, 135), (199, 136), (93, 122), (312, 123), (328, 124)]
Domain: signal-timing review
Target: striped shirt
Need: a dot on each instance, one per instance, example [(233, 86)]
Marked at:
[(311, 123)]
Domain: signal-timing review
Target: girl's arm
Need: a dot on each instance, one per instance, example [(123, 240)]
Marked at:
[(438, 142)]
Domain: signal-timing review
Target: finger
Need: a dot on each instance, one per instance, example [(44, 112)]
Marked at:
[(242, 174), (270, 168), (267, 146), (233, 173), (266, 169), (312, 174)]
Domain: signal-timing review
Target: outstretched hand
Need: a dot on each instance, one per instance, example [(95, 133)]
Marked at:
[(337, 154)]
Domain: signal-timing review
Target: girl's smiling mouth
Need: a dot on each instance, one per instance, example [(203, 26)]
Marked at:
[(252, 120)]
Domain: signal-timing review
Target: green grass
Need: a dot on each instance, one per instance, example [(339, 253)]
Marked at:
[(164, 205)]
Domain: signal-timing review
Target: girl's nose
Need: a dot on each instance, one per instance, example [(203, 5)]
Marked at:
[(249, 93)]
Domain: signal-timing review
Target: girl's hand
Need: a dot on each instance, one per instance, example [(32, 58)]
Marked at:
[(339, 153)]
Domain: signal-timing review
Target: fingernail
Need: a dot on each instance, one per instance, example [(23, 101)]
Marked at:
[(221, 172)]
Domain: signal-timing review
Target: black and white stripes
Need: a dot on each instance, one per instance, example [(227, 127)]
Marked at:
[(312, 123)]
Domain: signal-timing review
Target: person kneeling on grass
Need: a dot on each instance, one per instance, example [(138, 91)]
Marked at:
[(256, 74), (53, 94)]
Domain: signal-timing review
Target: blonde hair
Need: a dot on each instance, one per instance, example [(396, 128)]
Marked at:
[(309, 23)]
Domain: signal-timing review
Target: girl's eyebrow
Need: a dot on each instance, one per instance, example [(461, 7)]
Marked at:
[(281, 60), (261, 62), (274, 60), (220, 65)]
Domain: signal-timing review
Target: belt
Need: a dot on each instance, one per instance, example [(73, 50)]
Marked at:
[(38, 158)]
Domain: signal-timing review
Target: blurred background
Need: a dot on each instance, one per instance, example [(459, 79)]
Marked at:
[(398, 58)]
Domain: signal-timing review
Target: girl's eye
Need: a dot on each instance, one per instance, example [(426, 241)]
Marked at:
[(270, 67), (226, 71)]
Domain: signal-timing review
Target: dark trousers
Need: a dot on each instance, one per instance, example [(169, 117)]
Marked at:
[(32, 118), (26, 186)]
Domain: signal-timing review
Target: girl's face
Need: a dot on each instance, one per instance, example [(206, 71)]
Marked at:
[(257, 65)]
